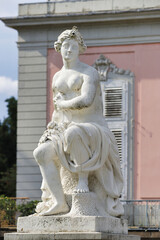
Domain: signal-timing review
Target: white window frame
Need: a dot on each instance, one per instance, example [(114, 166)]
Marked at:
[(113, 77)]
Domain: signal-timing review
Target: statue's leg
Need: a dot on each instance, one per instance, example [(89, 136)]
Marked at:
[(79, 153), (45, 156), (82, 185)]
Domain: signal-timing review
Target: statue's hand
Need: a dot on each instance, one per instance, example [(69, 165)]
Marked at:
[(51, 125), (58, 102)]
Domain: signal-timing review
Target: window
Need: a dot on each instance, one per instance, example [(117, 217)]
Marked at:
[(117, 95)]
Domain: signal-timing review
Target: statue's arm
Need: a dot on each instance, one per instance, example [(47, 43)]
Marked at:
[(88, 92), (53, 121)]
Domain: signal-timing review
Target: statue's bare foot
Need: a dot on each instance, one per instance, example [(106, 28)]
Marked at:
[(57, 208), (82, 187)]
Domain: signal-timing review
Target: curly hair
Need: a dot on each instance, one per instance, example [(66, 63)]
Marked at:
[(70, 34)]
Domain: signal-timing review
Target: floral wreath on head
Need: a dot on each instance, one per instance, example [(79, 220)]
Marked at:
[(70, 34)]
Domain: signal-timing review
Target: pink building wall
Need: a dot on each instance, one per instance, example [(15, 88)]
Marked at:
[(143, 60)]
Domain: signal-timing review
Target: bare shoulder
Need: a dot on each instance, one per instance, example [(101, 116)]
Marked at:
[(90, 72), (56, 75)]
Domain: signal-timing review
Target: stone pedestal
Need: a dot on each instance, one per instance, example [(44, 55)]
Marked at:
[(69, 236), (70, 228), (82, 222), (50, 224)]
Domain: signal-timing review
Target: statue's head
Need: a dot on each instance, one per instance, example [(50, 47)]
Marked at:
[(70, 34)]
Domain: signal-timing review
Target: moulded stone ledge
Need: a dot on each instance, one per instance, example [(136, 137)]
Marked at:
[(69, 236)]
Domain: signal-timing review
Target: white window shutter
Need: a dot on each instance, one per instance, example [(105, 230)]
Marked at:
[(113, 102), (116, 94), (115, 108)]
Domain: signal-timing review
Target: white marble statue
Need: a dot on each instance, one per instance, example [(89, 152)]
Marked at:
[(78, 154)]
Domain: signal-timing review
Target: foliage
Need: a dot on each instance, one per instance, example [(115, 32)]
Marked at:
[(8, 181), (8, 149), (7, 211), (27, 208)]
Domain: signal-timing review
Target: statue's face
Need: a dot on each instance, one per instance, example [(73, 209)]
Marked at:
[(70, 49)]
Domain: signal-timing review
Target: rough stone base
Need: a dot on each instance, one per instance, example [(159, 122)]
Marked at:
[(69, 236), (84, 204), (53, 224)]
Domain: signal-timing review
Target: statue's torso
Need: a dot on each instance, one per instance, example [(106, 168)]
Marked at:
[(68, 84)]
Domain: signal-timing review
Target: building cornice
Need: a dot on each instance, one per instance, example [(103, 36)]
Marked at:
[(121, 17)]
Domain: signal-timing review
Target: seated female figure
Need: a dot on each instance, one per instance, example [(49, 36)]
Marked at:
[(77, 143)]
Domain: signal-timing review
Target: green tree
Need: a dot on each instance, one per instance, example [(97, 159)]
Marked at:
[(8, 150)]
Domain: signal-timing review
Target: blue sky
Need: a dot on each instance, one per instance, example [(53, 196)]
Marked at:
[(9, 54)]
